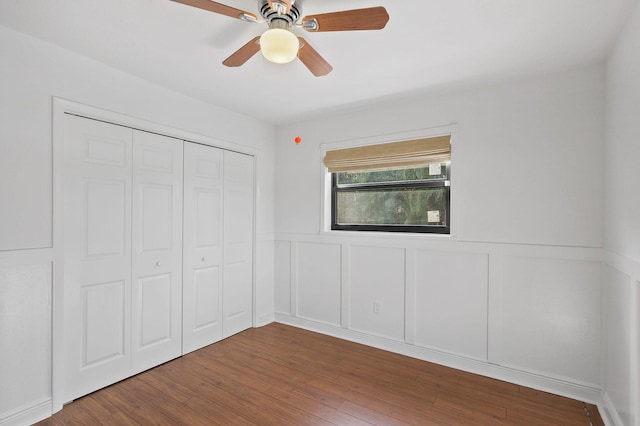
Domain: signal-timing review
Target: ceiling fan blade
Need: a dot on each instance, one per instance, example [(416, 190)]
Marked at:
[(220, 8), (372, 18), (243, 54), (312, 59)]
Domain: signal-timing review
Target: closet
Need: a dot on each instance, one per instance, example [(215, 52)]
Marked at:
[(218, 249), (158, 249)]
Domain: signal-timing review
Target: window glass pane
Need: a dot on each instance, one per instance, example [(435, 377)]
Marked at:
[(412, 174), (412, 206)]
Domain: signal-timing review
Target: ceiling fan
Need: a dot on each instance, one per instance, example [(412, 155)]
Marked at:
[(278, 44)]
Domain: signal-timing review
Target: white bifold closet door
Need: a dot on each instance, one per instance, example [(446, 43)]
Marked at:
[(122, 198), (203, 219), (218, 245), (97, 180), (237, 289), (157, 250)]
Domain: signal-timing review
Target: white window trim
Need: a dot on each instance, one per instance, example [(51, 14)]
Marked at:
[(325, 190)]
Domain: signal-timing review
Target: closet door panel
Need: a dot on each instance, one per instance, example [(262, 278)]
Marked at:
[(106, 217), (203, 209), (157, 250), (207, 298), (103, 315), (96, 191), (238, 243), (155, 306)]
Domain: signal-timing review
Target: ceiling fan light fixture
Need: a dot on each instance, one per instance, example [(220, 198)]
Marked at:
[(279, 45)]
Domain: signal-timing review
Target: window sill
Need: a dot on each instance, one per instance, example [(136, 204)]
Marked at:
[(389, 235)]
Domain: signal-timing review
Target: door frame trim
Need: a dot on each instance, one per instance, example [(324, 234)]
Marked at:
[(60, 107)]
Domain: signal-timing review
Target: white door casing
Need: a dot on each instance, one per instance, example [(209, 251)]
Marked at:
[(202, 260)]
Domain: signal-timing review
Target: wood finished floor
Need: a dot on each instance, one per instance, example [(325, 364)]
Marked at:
[(281, 375)]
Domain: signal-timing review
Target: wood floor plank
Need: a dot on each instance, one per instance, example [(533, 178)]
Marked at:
[(215, 412), (181, 392), (222, 392), (452, 401), (105, 412), (594, 415), (256, 383), (282, 375), (370, 415)]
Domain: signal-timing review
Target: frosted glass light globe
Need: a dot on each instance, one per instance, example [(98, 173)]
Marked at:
[(279, 45)]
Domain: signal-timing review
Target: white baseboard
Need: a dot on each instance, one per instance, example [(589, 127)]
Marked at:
[(547, 384), (28, 415), (608, 409), (265, 319)]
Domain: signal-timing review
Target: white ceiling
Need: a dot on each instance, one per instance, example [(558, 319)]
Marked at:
[(426, 44)]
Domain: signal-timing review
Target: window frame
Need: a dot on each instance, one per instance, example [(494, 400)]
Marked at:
[(418, 229)]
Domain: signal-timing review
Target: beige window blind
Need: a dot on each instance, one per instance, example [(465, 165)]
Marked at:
[(390, 155)]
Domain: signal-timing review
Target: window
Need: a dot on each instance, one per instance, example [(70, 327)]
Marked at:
[(396, 187)]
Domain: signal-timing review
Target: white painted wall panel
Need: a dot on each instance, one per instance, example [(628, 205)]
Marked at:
[(513, 158), (377, 291), (550, 317), (264, 295), (25, 330), (622, 174), (531, 309), (451, 302), (635, 365), (319, 282), (617, 342), (283, 277), (622, 225), (25, 152)]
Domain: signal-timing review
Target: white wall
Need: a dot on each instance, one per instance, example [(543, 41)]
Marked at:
[(32, 72), (541, 140), (516, 293), (25, 335), (621, 282)]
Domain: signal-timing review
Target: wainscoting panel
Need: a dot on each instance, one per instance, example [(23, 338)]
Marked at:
[(635, 350), (283, 277), (377, 281), (319, 282), (522, 313), (617, 363), (25, 336), (550, 317), (451, 302)]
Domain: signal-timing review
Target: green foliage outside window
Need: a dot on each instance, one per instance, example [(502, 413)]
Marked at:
[(394, 207), (410, 198), (390, 175)]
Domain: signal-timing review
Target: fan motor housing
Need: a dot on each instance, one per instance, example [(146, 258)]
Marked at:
[(278, 16)]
